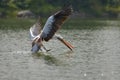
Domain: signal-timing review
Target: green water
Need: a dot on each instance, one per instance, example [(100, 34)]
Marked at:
[(96, 55), (25, 24)]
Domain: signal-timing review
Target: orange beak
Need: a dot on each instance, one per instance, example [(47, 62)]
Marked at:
[(66, 43)]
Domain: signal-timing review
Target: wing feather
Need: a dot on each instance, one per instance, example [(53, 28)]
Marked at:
[(35, 29), (55, 22)]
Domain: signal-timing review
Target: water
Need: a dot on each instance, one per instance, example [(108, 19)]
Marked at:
[(96, 56)]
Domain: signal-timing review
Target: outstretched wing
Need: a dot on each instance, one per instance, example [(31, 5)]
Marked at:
[(54, 22), (35, 29)]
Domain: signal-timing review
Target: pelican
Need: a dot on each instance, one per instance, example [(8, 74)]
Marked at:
[(52, 25)]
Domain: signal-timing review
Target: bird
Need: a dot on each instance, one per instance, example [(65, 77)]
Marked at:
[(49, 31)]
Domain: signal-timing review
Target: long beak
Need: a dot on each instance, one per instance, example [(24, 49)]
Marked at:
[(66, 43)]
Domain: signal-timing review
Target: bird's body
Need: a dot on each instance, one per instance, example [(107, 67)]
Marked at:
[(49, 30)]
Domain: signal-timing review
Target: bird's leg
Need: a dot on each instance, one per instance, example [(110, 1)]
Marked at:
[(39, 41), (60, 38), (45, 48)]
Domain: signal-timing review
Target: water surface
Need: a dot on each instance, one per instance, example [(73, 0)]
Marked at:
[(96, 56)]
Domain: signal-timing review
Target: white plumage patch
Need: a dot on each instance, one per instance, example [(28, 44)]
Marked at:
[(34, 31)]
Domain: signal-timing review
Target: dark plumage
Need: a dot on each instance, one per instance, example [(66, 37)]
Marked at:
[(59, 19), (52, 25)]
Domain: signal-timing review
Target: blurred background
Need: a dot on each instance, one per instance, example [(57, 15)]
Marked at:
[(82, 8), (93, 29), (88, 14)]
